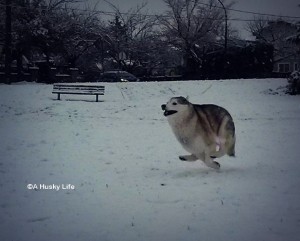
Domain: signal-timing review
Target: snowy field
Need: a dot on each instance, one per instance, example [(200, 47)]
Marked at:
[(121, 158)]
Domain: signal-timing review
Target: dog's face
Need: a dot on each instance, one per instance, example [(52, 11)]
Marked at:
[(174, 105)]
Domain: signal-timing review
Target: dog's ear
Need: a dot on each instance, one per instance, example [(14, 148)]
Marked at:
[(183, 101)]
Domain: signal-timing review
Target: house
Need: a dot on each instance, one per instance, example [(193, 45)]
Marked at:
[(284, 36), (286, 64)]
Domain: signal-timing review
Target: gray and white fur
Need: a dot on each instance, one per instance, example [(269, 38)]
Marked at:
[(205, 131)]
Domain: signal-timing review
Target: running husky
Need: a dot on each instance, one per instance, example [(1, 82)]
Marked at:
[(205, 131)]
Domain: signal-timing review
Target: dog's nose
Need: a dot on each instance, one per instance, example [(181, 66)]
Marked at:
[(163, 107)]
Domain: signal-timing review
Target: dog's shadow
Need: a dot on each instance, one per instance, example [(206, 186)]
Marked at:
[(205, 171)]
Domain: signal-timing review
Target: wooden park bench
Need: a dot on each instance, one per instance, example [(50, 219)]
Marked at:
[(78, 89)]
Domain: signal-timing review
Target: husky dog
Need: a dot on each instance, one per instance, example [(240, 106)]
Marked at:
[(205, 131)]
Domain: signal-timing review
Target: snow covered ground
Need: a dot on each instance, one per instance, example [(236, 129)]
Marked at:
[(122, 159)]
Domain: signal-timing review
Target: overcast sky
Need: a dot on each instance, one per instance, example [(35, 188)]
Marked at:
[(277, 7)]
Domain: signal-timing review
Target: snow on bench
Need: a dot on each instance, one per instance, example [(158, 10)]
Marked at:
[(78, 89)]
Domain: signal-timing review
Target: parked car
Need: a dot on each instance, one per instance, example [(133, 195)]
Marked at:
[(118, 76)]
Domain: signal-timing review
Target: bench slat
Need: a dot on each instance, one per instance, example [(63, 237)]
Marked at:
[(78, 93), (82, 90), (79, 85), (76, 88), (91, 89)]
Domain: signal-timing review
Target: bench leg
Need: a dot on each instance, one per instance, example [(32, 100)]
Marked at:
[(58, 96), (96, 98)]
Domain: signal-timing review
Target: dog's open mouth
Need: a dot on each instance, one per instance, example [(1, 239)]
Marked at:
[(169, 112)]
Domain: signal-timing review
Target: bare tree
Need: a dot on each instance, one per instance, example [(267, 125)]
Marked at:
[(257, 27), (129, 35), (76, 33), (54, 27), (192, 25), (276, 32)]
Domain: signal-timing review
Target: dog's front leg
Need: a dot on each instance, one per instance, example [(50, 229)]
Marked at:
[(188, 158)]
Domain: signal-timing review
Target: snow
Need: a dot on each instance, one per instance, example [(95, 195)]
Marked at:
[(122, 158)]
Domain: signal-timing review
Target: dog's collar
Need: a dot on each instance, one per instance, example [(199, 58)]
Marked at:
[(169, 112)]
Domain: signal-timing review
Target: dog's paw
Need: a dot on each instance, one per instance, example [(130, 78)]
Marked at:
[(217, 165), (213, 164), (188, 158), (182, 158)]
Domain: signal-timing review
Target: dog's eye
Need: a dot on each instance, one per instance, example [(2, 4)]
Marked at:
[(174, 103)]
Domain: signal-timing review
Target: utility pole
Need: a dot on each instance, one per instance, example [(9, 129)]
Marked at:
[(226, 27), (224, 67), (8, 44)]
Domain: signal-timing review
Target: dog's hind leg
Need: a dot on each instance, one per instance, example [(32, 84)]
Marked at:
[(213, 164), (188, 158), (210, 162), (217, 149)]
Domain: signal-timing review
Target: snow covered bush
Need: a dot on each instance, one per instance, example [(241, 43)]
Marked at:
[(294, 83)]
